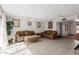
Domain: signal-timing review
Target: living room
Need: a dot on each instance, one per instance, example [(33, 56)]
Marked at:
[(37, 27)]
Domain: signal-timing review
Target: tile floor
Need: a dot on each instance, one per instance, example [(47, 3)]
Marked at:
[(62, 46)]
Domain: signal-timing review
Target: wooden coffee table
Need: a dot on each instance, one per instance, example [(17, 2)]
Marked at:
[(32, 38)]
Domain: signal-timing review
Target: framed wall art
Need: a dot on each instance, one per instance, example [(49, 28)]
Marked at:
[(66, 27), (29, 23), (16, 22), (38, 24), (50, 24)]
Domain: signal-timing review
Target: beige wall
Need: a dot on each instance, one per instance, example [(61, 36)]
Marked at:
[(54, 24), (24, 26), (44, 25)]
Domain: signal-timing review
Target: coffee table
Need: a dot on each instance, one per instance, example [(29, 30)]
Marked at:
[(32, 38)]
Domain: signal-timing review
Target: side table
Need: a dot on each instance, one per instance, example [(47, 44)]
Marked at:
[(11, 38)]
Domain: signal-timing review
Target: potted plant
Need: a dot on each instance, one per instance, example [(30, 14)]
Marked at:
[(9, 27)]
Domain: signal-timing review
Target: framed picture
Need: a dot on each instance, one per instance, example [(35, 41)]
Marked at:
[(29, 23), (16, 22), (66, 27), (38, 24), (50, 24)]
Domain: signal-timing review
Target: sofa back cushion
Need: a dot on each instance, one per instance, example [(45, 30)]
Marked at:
[(54, 32), (25, 33), (50, 32), (31, 32), (20, 33)]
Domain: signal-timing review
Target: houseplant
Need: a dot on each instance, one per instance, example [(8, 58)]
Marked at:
[(9, 27)]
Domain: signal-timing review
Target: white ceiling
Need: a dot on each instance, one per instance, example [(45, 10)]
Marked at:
[(41, 10)]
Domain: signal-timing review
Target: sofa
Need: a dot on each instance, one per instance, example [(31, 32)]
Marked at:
[(49, 34), (21, 34)]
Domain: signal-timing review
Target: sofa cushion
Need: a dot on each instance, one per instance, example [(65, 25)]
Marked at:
[(21, 33), (31, 32), (27, 33)]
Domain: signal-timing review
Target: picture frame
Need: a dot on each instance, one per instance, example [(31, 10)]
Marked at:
[(16, 22), (29, 23), (50, 25), (66, 27), (38, 24)]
